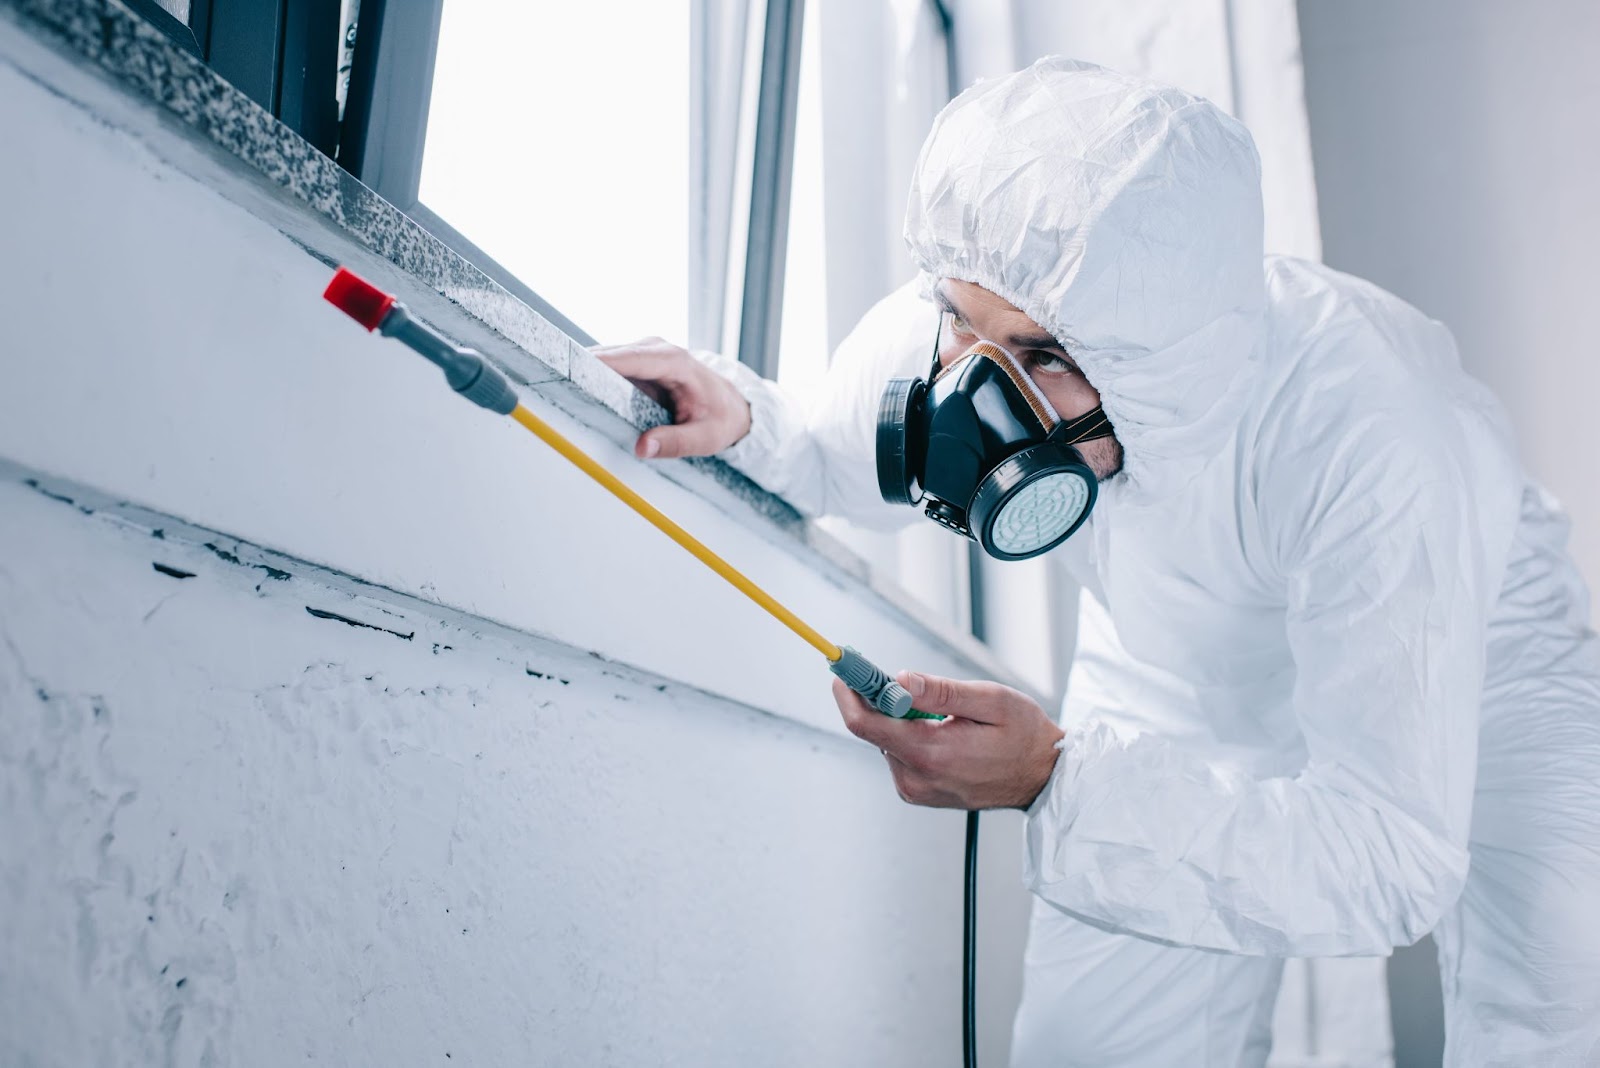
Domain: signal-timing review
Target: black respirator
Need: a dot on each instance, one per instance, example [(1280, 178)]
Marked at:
[(980, 442)]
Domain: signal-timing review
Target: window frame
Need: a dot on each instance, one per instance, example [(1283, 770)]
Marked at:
[(772, 180), (191, 35)]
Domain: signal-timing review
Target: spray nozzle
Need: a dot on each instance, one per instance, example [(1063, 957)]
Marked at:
[(468, 373)]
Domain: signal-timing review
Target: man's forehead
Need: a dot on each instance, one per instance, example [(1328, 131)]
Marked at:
[(972, 301)]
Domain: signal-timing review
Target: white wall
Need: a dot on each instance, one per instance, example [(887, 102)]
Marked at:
[(1242, 55), (1456, 159), (629, 789)]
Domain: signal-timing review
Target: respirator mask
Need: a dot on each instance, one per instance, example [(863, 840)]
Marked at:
[(982, 445)]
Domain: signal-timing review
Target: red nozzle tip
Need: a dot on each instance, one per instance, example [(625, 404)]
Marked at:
[(358, 298)]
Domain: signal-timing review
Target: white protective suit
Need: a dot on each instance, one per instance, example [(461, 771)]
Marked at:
[(1335, 685)]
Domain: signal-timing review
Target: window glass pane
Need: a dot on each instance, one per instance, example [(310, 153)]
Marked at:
[(558, 142), (803, 342)]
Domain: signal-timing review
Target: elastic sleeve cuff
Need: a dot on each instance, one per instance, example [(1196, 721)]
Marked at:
[(1065, 768), (1051, 816), (772, 418)]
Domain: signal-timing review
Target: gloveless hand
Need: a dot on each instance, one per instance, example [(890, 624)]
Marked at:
[(996, 749), (708, 413)]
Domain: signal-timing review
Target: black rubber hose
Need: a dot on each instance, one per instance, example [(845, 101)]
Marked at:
[(969, 951)]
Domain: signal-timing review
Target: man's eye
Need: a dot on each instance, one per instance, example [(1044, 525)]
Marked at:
[(959, 324), (1051, 364)]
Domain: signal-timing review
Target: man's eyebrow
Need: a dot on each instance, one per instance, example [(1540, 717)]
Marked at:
[(944, 302), (1042, 340)]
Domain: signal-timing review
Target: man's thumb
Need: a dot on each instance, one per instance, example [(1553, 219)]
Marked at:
[(931, 693), (668, 442)]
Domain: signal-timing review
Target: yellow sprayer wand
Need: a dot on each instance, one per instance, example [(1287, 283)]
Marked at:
[(472, 377)]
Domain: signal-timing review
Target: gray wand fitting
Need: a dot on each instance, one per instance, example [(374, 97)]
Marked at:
[(872, 683), (468, 373)]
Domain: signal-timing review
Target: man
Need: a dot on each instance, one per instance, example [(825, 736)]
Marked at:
[(1335, 686)]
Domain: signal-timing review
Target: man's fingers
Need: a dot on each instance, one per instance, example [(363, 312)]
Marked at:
[(703, 407), (671, 441), (857, 715), (932, 693), (645, 361), (900, 739), (918, 752)]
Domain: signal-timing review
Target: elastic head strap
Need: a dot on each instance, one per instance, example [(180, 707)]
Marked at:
[(1086, 427), (938, 369)]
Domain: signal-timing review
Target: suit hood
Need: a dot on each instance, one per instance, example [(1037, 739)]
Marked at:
[(1125, 218)]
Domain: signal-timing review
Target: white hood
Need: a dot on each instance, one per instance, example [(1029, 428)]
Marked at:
[(1125, 218)]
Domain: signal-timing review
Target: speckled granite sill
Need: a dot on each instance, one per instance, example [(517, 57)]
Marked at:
[(322, 208)]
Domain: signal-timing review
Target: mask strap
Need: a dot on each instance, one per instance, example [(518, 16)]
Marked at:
[(1086, 427)]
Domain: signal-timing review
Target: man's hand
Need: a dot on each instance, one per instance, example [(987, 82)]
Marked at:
[(708, 414), (996, 750)]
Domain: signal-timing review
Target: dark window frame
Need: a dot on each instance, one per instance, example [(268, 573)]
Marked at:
[(772, 180), (191, 35), (283, 54)]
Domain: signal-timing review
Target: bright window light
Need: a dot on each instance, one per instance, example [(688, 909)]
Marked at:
[(803, 340), (558, 142)]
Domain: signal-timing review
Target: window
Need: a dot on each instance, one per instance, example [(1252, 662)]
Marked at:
[(476, 118), (726, 173)]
